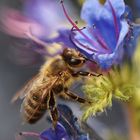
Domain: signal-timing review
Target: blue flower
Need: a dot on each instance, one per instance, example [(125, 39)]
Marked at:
[(103, 38), (132, 36), (58, 134), (67, 128), (71, 124)]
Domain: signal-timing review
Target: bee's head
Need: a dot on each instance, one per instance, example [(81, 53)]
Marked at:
[(73, 57)]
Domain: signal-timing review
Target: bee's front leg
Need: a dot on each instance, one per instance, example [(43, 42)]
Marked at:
[(84, 73), (75, 97), (53, 109)]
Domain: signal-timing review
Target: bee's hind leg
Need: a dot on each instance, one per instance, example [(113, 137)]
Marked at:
[(75, 97), (53, 109)]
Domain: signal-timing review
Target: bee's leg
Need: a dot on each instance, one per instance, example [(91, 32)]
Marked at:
[(75, 97), (84, 73), (53, 109)]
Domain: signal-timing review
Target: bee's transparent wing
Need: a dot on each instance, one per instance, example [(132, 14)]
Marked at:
[(25, 90), (46, 89)]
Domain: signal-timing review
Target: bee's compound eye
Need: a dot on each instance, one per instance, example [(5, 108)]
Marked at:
[(75, 61)]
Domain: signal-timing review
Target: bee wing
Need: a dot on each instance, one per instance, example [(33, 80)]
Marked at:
[(47, 86), (25, 90)]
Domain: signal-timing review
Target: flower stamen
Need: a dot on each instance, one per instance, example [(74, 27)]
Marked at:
[(75, 40), (75, 26), (115, 21), (98, 37), (29, 134)]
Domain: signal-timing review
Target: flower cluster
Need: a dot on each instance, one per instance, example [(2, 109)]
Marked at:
[(114, 29)]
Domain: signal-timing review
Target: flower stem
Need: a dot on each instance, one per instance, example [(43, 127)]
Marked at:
[(134, 131)]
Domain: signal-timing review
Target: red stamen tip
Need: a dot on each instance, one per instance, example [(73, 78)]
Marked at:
[(76, 27)]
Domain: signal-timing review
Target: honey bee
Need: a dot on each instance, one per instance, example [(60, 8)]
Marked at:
[(54, 79)]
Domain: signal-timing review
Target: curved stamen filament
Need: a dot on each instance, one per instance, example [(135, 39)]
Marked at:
[(115, 21), (99, 38), (75, 26), (86, 47), (29, 134), (35, 39), (75, 40), (33, 134)]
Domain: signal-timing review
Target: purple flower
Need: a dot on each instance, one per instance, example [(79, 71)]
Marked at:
[(41, 17), (71, 124), (47, 13), (103, 38), (38, 21), (58, 134)]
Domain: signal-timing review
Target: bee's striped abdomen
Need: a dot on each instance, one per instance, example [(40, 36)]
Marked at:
[(34, 109)]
